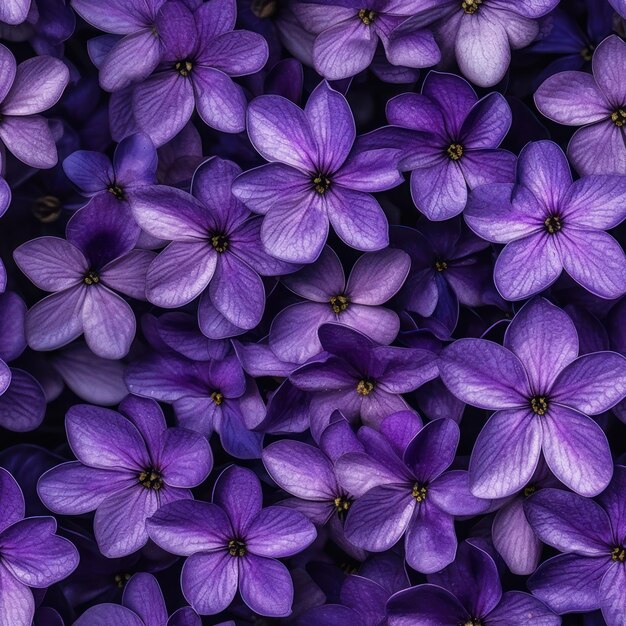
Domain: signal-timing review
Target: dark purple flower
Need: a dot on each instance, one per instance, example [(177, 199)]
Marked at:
[(133, 50), (142, 605), (83, 272), (208, 396), (201, 53), (319, 173), (550, 224), (619, 6), (375, 278), (216, 251), (597, 103), (32, 555), (402, 488), (26, 90), (360, 378), (347, 35), (467, 593), (128, 466), (233, 544), (480, 33), (452, 142), (591, 572), (543, 396)]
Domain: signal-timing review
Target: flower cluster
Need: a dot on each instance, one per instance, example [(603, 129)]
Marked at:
[(312, 312)]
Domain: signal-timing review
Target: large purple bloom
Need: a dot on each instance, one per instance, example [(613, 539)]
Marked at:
[(26, 90), (597, 103), (128, 466), (591, 573), (542, 395), (233, 544), (319, 173), (201, 52), (347, 35), (452, 142), (374, 279), (216, 251), (133, 50), (360, 378), (402, 488), (479, 33), (467, 592), (31, 555), (83, 271), (142, 605), (550, 224)]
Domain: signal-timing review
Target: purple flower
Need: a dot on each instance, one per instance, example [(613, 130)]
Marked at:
[(619, 6), (451, 146), (402, 488), (550, 223), (133, 168), (480, 33), (375, 278), (133, 50), (22, 400), (14, 11), (597, 103), (26, 90), (233, 544), (32, 555), (445, 268), (216, 251), (307, 473), (467, 592), (128, 466), (360, 378), (542, 395), (319, 173), (201, 52), (347, 36), (142, 605), (208, 396), (83, 271), (591, 572)]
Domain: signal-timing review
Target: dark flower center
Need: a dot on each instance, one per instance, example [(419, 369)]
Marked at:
[(219, 242), (367, 16), (618, 117), (365, 387), (236, 547), (472, 621), (117, 191), (441, 266), (151, 479), (264, 8), (217, 397), (455, 151), (539, 405), (529, 490), (122, 579), (471, 6), (47, 209), (618, 553), (91, 278), (339, 303), (342, 505), (587, 53), (553, 224), (321, 183), (184, 67), (419, 492)]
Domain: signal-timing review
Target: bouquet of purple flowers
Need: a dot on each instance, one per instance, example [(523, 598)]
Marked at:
[(313, 312)]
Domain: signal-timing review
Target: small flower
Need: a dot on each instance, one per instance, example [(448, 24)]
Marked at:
[(233, 544), (128, 466)]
